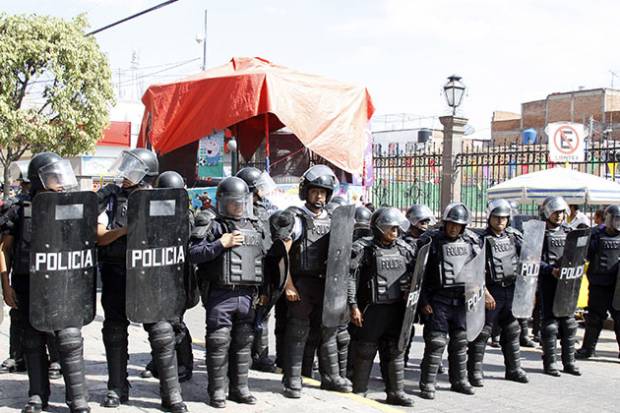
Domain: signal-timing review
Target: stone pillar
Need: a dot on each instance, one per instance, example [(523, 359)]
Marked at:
[(453, 130)]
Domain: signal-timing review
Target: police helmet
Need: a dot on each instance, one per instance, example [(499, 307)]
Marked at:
[(385, 218), (318, 176), (170, 179), (457, 213), (553, 204)]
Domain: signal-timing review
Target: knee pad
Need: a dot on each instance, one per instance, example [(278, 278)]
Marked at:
[(297, 328), (512, 329), (549, 328), (343, 337), (218, 338), (458, 337), (69, 339), (365, 350), (436, 341), (161, 334)]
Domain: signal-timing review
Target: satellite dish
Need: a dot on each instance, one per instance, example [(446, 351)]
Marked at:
[(468, 130)]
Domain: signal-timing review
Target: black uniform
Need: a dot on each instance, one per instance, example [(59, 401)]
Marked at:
[(553, 249), (234, 277), (446, 296), (308, 257), (380, 276), (113, 299), (502, 257), (603, 254)]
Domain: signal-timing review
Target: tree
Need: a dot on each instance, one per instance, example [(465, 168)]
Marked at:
[(55, 88)]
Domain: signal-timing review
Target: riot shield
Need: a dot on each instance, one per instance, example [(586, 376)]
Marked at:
[(474, 273), (529, 266), (338, 261), (413, 296), (571, 272), (157, 239), (276, 270), (616, 302), (63, 260)]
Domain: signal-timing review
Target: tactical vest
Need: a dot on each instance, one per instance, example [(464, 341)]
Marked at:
[(390, 273), (605, 261), (555, 241), (309, 253), (454, 255), (115, 252), (502, 259), (241, 265), (21, 255)]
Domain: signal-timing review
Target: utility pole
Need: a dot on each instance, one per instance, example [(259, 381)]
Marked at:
[(204, 46)]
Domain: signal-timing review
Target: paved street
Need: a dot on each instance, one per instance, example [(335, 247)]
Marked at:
[(595, 391)]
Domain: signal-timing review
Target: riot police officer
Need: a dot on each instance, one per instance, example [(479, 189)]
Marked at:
[(442, 300), (47, 172), (603, 254), (305, 288), (255, 179), (554, 210), (420, 218), (380, 275), (183, 338), (503, 244), (139, 168), (230, 258)]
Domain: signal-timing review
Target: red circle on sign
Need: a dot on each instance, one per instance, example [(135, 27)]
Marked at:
[(572, 144)]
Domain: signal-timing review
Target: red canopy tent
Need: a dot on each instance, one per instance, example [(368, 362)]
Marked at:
[(253, 96)]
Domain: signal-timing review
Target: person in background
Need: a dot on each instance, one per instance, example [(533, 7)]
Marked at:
[(576, 217)]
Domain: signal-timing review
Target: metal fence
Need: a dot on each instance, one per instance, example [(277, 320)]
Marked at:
[(404, 180)]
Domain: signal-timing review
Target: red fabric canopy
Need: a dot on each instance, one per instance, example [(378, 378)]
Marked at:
[(328, 117)]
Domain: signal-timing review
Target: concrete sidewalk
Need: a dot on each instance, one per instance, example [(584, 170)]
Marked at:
[(596, 390)]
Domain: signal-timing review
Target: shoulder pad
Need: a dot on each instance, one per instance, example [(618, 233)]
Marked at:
[(471, 234), (295, 210), (402, 243), (478, 231)]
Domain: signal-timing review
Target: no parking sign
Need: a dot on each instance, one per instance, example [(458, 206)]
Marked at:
[(566, 142)]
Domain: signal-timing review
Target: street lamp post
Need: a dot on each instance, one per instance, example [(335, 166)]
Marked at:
[(234, 156), (453, 132)]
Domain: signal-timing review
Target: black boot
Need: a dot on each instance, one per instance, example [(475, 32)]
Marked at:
[(475, 357), (55, 370), (294, 344), (512, 352), (548, 340), (260, 352), (384, 356), (34, 405), (279, 350), (162, 339), (567, 340), (240, 358), (37, 368), (343, 340), (185, 356), (434, 344), (71, 351), (457, 362), (115, 343), (218, 343), (328, 363), (524, 339), (363, 357), (590, 338), (396, 377)]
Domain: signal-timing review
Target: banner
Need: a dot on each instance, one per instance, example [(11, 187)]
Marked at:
[(210, 157)]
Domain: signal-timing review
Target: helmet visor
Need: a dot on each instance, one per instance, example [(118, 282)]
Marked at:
[(130, 167), (394, 218), (321, 174), (613, 221), (235, 206), (58, 176), (265, 185)]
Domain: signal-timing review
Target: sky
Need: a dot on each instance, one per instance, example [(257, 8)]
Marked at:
[(507, 52)]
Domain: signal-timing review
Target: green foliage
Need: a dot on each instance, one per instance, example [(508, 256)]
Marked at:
[(55, 86)]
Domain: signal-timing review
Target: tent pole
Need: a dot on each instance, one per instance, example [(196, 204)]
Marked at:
[(267, 148)]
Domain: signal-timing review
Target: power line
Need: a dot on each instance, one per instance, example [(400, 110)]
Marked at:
[(127, 82), (133, 16)]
